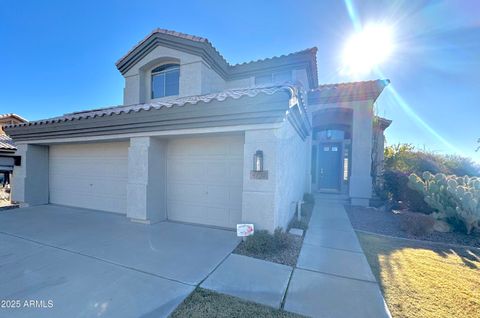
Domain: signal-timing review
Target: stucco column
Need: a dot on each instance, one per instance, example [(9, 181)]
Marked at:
[(258, 200), (146, 189), (30, 179), (360, 177)]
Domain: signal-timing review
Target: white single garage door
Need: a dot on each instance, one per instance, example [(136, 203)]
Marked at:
[(91, 176), (205, 180)]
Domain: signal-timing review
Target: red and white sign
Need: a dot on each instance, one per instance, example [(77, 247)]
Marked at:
[(245, 230)]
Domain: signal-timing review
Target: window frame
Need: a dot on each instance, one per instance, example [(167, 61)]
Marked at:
[(167, 68)]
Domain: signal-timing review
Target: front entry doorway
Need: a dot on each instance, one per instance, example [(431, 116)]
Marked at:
[(329, 166)]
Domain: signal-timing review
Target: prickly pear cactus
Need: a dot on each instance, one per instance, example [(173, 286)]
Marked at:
[(450, 196)]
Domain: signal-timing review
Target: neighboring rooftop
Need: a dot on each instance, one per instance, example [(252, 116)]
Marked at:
[(6, 144), (12, 116), (10, 119)]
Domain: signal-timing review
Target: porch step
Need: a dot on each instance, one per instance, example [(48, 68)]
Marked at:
[(332, 197)]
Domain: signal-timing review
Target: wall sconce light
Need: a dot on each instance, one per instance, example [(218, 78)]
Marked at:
[(258, 161)]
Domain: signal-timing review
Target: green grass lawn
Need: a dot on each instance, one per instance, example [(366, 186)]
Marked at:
[(204, 303), (425, 280)]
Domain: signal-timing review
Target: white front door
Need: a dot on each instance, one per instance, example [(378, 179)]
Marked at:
[(91, 176), (205, 180)]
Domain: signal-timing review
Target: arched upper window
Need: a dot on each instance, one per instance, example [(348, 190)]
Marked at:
[(165, 80)]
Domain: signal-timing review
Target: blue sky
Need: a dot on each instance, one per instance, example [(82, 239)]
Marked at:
[(58, 56)]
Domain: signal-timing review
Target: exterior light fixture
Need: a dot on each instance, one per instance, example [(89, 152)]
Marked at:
[(258, 161)]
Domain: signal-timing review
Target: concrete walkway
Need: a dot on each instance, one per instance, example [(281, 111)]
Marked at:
[(333, 277)]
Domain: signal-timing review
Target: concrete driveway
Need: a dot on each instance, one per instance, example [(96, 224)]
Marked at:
[(89, 263)]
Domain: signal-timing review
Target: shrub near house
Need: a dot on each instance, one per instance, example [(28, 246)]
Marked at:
[(401, 160), (454, 198)]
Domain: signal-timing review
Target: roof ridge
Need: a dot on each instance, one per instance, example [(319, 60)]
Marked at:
[(168, 32)]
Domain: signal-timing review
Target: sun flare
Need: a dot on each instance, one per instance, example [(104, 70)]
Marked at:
[(367, 49)]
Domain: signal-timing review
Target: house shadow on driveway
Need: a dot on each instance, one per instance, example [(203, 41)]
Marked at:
[(96, 262)]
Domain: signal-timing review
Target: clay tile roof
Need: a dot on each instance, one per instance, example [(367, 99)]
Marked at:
[(351, 91), (294, 90), (216, 59), (164, 31)]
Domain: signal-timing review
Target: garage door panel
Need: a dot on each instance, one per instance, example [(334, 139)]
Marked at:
[(185, 212), (203, 146), (92, 176), (177, 191), (236, 196), (90, 167), (184, 170), (235, 172), (235, 216), (97, 150), (205, 180), (218, 195)]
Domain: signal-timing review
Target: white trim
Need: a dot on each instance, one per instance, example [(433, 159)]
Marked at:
[(154, 133)]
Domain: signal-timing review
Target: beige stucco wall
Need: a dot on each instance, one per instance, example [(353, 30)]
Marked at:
[(30, 184), (146, 186), (291, 164), (196, 77), (271, 203)]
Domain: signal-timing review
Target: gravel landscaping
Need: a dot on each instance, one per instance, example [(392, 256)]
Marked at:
[(388, 223), (287, 256)]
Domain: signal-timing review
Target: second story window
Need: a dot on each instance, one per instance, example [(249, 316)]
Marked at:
[(165, 80)]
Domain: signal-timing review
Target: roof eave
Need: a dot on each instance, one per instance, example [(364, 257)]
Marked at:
[(202, 111), (382, 123), (317, 96)]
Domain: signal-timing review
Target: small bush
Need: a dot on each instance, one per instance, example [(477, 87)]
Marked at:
[(262, 242), (307, 209), (280, 239), (259, 243), (417, 224)]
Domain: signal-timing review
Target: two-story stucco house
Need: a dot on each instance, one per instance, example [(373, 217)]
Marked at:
[(199, 140)]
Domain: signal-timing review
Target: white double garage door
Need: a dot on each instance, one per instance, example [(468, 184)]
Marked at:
[(204, 178)]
